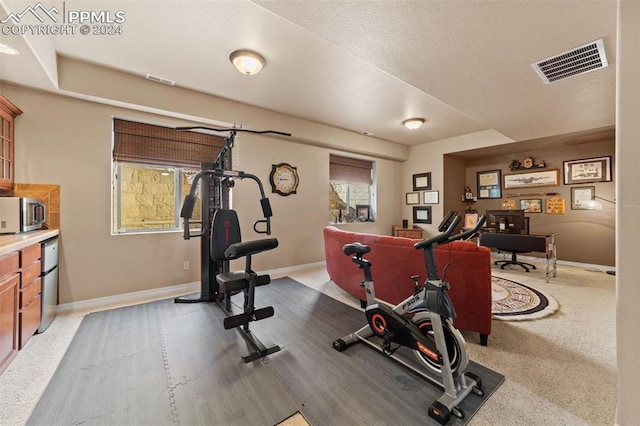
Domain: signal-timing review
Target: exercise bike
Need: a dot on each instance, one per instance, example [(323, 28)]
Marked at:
[(423, 323)]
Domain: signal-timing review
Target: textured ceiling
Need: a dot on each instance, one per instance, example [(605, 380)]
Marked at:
[(363, 66)]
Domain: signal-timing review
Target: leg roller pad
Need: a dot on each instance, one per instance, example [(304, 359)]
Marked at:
[(244, 319)]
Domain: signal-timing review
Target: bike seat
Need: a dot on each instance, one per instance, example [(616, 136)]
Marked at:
[(355, 248)]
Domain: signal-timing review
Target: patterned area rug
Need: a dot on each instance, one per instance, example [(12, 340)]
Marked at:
[(513, 301)]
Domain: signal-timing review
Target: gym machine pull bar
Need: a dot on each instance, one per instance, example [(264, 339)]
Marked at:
[(190, 201)]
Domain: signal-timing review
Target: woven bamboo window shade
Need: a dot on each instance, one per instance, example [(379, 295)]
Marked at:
[(342, 169), (150, 144)]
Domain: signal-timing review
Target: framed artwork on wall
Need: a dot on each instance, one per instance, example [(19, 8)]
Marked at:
[(587, 171), (489, 184), (531, 205), (430, 197), (422, 214), (532, 179), (509, 204), (422, 181), (555, 205), (470, 220), (412, 198), (581, 196)]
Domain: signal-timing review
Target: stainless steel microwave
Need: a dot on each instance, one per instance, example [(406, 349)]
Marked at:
[(20, 214)]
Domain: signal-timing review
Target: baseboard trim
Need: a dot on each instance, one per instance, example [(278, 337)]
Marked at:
[(603, 268), (289, 269), (161, 292), (129, 298)]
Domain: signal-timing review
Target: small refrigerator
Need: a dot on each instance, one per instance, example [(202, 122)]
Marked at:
[(49, 280)]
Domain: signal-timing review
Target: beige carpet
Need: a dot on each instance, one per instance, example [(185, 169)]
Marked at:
[(296, 420), (559, 370)]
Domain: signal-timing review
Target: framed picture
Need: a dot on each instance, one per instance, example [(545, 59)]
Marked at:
[(412, 198), (470, 220), (587, 170), (580, 197), (555, 205), (430, 197), (422, 214), (509, 204), (489, 184), (363, 212), (422, 181), (531, 205), (532, 179)]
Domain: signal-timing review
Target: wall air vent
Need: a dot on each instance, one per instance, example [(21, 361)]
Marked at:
[(580, 60), (160, 80)]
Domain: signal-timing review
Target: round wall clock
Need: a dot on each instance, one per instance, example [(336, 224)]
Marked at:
[(283, 179)]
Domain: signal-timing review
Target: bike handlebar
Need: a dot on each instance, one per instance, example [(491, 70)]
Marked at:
[(440, 237), (446, 237), (469, 232)]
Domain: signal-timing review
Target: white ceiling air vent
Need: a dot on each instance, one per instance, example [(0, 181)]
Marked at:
[(160, 80), (580, 60)]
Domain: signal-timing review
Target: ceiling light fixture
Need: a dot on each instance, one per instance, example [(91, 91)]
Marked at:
[(8, 50), (247, 62), (413, 123)]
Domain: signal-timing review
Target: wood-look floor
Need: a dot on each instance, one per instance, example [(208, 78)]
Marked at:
[(163, 363)]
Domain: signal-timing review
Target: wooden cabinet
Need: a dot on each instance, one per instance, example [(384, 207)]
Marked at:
[(8, 113), (30, 292), (20, 291), (415, 232), (19, 300), (9, 295)]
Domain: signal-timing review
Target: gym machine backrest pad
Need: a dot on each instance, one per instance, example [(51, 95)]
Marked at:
[(225, 231)]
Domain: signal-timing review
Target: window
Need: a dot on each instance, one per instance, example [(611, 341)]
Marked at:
[(153, 168), (350, 189), (150, 197)]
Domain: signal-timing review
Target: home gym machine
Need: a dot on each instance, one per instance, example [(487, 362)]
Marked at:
[(220, 242), (422, 324)]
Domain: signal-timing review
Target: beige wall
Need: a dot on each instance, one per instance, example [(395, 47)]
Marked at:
[(430, 158), (299, 218), (67, 141), (584, 236)]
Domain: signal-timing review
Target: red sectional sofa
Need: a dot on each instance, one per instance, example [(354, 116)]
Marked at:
[(394, 260)]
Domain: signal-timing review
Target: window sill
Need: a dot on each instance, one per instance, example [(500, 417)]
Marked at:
[(150, 232), (353, 225)]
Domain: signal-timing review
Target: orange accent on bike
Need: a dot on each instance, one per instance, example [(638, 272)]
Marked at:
[(379, 323), (428, 352), (424, 324)]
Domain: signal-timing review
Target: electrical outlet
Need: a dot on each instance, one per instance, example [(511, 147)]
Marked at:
[(186, 265)]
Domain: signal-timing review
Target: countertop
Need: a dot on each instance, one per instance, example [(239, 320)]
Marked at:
[(13, 242)]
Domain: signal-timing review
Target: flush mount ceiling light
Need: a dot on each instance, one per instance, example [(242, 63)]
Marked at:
[(247, 61), (413, 123), (8, 50)]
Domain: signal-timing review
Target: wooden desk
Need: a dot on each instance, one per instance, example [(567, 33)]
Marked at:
[(522, 244), (415, 232)]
